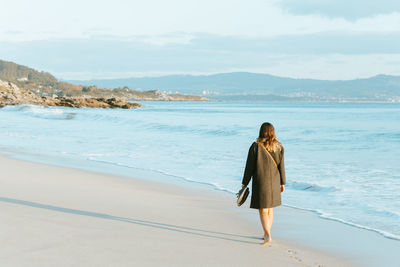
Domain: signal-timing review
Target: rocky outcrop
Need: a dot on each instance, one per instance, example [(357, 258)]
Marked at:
[(10, 94), (79, 102)]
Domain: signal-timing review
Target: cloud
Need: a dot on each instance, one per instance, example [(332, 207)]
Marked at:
[(11, 32), (350, 10), (164, 39), (325, 67), (155, 19), (203, 36), (323, 55), (313, 44)]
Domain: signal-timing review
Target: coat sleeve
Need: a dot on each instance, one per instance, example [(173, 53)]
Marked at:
[(250, 165), (281, 168)]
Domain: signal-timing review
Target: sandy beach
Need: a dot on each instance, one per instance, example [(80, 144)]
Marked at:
[(56, 216)]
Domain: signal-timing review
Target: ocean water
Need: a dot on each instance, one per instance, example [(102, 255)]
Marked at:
[(342, 159)]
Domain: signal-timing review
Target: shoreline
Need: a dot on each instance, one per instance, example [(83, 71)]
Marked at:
[(67, 208), (159, 176), (331, 232)]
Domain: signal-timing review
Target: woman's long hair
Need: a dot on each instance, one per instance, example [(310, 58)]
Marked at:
[(267, 137)]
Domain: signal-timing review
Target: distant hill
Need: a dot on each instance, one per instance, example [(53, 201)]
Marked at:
[(44, 84), (244, 85), (19, 74)]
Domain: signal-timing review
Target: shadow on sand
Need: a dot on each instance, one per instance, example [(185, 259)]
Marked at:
[(169, 227)]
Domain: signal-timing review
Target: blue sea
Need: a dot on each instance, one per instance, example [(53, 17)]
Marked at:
[(342, 159)]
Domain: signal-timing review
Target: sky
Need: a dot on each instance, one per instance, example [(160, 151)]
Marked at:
[(86, 39)]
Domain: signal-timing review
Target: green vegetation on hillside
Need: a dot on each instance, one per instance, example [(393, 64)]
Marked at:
[(24, 76), (42, 83), (45, 84)]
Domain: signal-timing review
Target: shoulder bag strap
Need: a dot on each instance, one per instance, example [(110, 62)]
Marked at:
[(269, 154)]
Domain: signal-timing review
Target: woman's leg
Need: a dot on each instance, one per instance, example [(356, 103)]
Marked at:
[(266, 225), (270, 220)]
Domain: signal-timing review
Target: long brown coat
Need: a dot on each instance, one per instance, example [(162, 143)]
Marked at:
[(267, 178)]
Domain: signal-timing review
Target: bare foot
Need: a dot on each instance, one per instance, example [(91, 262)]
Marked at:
[(263, 238), (267, 240)]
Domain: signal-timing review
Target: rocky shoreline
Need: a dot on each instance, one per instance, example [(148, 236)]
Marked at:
[(10, 94), (23, 85)]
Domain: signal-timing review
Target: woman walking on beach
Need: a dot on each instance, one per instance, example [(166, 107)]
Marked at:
[(265, 164)]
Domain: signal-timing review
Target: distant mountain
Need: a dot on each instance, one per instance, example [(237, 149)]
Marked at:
[(244, 85)]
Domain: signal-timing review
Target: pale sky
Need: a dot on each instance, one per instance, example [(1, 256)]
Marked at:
[(322, 39)]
